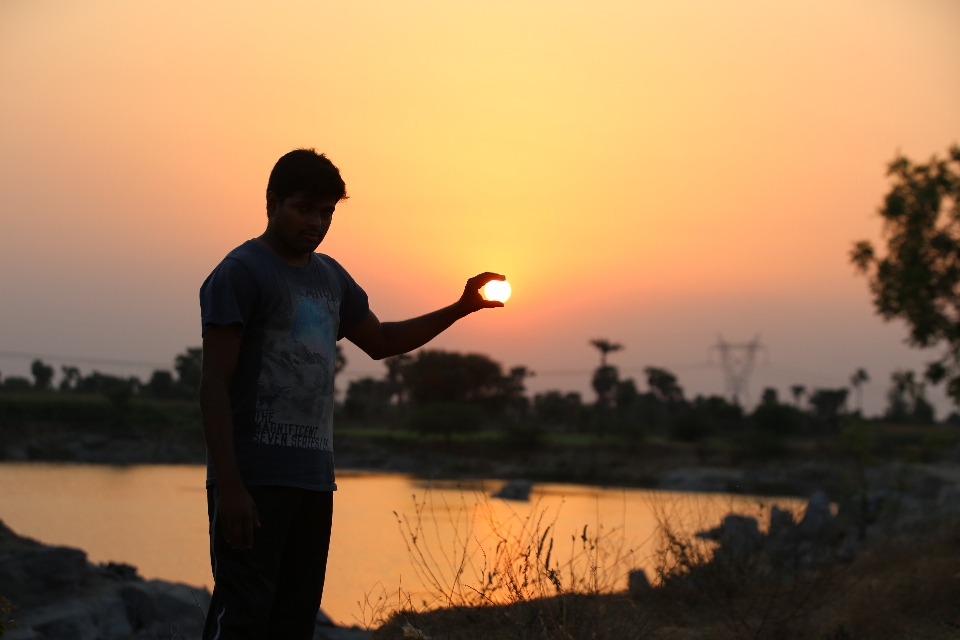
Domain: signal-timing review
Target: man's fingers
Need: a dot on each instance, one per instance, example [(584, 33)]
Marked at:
[(482, 279), (490, 304), (232, 531)]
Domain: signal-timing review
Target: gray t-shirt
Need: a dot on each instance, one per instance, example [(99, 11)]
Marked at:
[(281, 394)]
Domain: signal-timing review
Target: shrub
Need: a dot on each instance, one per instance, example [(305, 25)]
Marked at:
[(446, 419)]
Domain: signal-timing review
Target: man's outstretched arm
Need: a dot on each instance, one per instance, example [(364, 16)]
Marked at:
[(384, 339), (236, 509)]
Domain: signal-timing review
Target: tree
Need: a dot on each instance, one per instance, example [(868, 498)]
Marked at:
[(605, 347), (395, 365), (664, 385), (435, 376), (557, 408), (828, 405), (798, 391), (42, 375), (773, 418), (918, 279), (856, 381), (907, 399), (188, 369), (161, 385), (71, 376), (367, 398), (605, 382)]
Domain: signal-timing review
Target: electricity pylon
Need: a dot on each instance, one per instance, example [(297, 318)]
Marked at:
[(738, 359)]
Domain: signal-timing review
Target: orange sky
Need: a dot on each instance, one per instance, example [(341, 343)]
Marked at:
[(651, 172)]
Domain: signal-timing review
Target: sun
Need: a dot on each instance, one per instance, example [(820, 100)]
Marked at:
[(498, 290)]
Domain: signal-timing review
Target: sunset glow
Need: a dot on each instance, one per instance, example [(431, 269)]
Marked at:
[(687, 168)]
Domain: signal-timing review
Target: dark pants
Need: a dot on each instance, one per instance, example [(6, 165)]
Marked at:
[(272, 590)]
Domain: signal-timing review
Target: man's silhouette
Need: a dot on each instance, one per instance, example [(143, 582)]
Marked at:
[(272, 312)]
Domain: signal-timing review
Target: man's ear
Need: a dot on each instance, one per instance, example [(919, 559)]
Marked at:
[(273, 202)]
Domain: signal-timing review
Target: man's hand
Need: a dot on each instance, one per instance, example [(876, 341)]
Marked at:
[(238, 515), (471, 300), (235, 507), (382, 340)]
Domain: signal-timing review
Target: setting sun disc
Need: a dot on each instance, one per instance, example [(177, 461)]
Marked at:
[(498, 290)]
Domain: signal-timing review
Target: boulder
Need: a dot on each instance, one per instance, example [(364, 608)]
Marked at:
[(99, 616), (43, 575), (515, 490), (160, 609), (818, 518), (737, 535), (637, 582)]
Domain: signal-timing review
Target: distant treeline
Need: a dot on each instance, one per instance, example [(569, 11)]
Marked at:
[(444, 392), (162, 385), (447, 392)]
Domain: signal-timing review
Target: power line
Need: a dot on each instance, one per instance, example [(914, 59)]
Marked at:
[(79, 359)]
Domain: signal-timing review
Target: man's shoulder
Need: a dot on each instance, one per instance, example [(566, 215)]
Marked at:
[(249, 252)]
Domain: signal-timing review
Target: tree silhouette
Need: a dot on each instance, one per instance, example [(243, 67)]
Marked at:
[(42, 375), (71, 376), (918, 280), (798, 391), (856, 381), (188, 365), (907, 398), (605, 347), (663, 384)]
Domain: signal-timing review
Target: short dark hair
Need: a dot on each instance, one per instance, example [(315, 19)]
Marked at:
[(308, 171)]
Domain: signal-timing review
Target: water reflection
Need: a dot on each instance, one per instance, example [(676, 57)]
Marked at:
[(154, 517)]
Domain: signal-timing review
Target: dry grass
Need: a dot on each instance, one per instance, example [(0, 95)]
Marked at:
[(908, 586), (508, 583), (504, 576)]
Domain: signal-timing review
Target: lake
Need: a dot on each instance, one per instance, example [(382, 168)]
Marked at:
[(154, 517)]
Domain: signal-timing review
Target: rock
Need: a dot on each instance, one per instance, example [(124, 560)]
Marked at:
[(323, 620), (158, 609), (637, 582), (41, 576), (737, 535), (101, 616), (780, 520), (410, 632), (340, 633), (515, 490), (61, 596), (818, 517), (118, 571)]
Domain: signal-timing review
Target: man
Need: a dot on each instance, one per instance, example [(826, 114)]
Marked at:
[(272, 312)]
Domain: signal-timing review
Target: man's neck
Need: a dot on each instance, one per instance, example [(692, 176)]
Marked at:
[(272, 243)]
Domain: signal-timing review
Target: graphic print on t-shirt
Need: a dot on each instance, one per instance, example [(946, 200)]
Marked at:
[(295, 387)]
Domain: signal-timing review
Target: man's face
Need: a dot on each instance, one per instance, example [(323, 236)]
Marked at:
[(300, 223)]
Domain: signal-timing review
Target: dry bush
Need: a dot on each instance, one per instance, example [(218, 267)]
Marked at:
[(907, 586), (510, 581)]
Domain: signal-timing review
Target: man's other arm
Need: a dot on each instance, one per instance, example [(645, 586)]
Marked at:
[(384, 339), (236, 509)]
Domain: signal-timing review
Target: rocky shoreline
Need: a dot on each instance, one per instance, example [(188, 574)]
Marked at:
[(648, 465), (59, 594)]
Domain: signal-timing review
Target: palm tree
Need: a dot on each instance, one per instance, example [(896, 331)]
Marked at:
[(798, 390), (605, 347), (856, 381)]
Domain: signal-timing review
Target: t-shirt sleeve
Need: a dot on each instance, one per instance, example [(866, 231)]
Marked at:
[(354, 306), (228, 295)]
